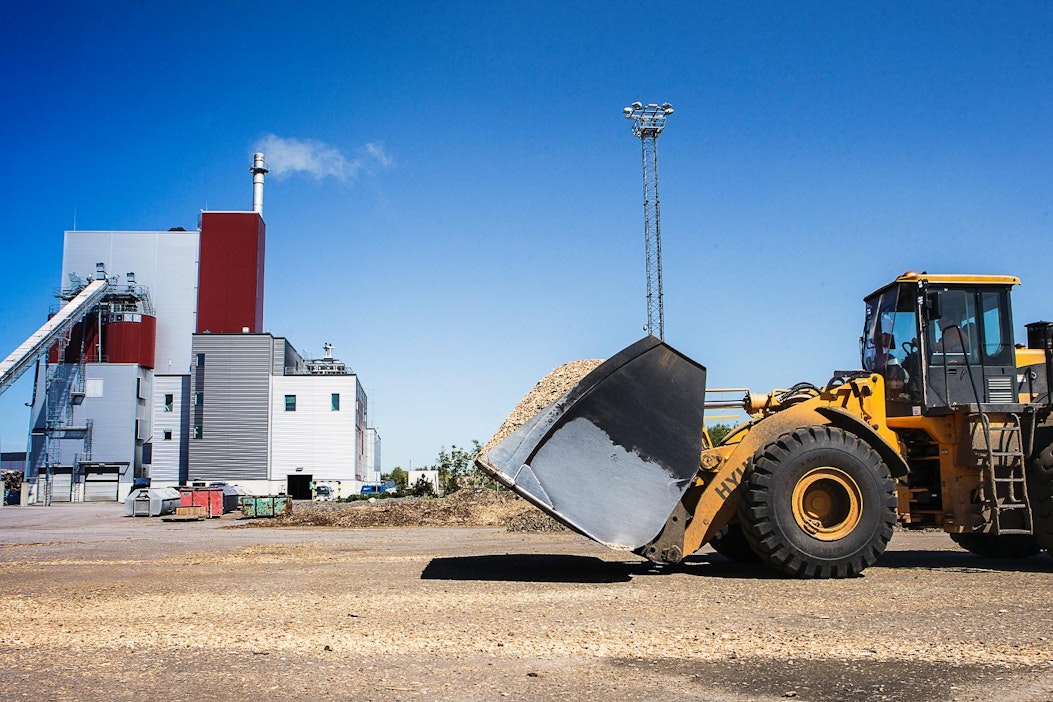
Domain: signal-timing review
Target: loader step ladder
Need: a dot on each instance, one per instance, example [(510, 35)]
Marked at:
[(1004, 484)]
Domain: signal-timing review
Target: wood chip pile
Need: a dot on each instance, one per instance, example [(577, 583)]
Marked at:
[(470, 507), (547, 390)]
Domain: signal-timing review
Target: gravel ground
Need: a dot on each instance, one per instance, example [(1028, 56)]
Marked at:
[(97, 605)]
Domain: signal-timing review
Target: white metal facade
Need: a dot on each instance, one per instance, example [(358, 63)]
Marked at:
[(165, 263), (170, 435), (369, 472), (316, 439)]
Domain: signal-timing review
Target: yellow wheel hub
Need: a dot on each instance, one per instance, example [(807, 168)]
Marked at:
[(827, 503)]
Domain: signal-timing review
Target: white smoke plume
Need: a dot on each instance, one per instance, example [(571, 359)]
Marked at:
[(318, 159)]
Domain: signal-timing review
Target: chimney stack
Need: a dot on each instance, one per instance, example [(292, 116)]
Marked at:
[(258, 170)]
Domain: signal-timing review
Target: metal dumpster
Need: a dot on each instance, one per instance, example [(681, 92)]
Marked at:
[(211, 498), (266, 505), (151, 502), (232, 495)]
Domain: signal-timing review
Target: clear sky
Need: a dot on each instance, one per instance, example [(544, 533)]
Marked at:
[(455, 199)]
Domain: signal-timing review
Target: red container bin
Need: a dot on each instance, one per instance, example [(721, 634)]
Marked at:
[(211, 498)]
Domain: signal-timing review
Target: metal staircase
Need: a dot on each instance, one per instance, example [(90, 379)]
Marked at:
[(1004, 485)]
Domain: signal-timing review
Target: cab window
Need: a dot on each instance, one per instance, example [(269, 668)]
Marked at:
[(955, 336), (973, 327), (997, 329), (890, 343)]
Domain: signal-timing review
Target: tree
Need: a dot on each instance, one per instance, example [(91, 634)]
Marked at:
[(457, 469), (717, 432), (423, 488), (399, 476)]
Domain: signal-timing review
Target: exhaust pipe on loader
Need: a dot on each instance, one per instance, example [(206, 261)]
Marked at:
[(612, 457)]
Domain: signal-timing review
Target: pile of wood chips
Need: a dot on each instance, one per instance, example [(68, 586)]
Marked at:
[(470, 507), (547, 390)]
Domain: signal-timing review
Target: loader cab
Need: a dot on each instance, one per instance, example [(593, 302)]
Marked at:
[(942, 343)]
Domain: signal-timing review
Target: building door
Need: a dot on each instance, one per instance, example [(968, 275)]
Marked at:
[(101, 483), (298, 486), (61, 484)]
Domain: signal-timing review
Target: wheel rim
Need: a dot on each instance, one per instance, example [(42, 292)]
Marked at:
[(827, 503)]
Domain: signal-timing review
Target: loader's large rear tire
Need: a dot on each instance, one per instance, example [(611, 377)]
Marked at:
[(1040, 490), (731, 543), (1005, 546), (818, 503)]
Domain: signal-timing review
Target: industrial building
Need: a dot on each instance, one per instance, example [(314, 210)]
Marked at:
[(157, 367)]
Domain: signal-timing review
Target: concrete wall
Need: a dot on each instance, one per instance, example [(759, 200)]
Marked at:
[(432, 476)]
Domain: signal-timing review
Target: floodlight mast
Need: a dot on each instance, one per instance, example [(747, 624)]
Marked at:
[(648, 123)]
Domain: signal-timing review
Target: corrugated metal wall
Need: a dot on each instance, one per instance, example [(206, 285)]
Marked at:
[(229, 426)]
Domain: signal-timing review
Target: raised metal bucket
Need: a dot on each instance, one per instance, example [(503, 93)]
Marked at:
[(612, 457)]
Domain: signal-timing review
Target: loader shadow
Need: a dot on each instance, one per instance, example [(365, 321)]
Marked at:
[(563, 568), (962, 561), (532, 568)]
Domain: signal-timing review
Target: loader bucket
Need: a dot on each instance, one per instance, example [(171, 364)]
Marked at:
[(613, 456)]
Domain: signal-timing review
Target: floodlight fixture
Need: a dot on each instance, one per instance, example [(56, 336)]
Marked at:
[(648, 120)]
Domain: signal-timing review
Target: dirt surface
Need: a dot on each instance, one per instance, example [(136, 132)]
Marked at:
[(100, 606)]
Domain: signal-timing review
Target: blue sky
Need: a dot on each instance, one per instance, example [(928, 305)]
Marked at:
[(475, 217)]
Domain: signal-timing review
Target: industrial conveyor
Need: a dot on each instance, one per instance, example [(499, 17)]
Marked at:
[(12, 367)]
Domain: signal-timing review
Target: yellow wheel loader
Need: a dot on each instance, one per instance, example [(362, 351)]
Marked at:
[(946, 425)]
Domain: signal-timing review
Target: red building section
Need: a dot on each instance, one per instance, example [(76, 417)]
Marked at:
[(130, 338), (230, 273), (126, 338)]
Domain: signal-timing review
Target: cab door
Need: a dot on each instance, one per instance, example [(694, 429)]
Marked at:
[(968, 357)]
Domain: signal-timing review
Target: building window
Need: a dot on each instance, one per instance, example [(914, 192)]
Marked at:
[(199, 398), (197, 431), (168, 434), (169, 402), (290, 403), (200, 360), (335, 401)]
